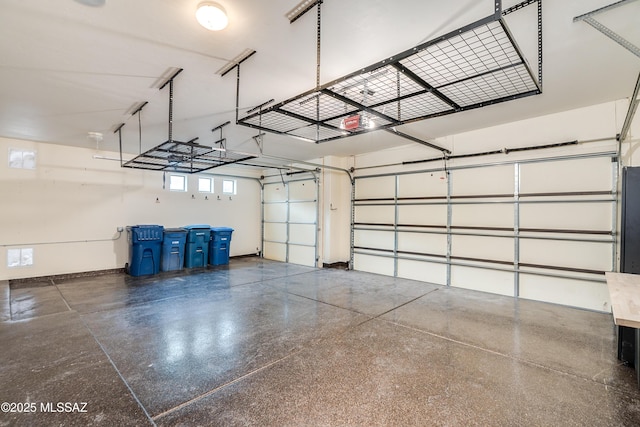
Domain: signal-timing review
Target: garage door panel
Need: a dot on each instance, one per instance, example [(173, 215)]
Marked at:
[(484, 280), (275, 193), (302, 212), (374, 239), (290, 215), (581, 255), (373, 264), (302, 255), (500, 215), (429, 184), (480, 247), (275, 251), (577, 293), (422, 214), (571, 216), (375, 214), (566, 176), (483, 181), (423, 270), (275, 212), (302, 234), (422, 243), (379, 187), (275, 232), (302, 190)]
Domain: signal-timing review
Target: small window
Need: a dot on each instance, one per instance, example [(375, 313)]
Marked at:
[(229, 186), (177, 183), (22, 159), (205, 185), (20, 257)]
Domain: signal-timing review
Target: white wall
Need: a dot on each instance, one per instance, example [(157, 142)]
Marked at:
[(336, 211), (71, 196)]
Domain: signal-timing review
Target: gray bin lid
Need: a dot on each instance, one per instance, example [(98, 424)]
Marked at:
[(175, 230)]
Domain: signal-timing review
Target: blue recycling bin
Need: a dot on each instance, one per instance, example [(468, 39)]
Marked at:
[(220, 245), (173, 245), (197, 248), (145, 243)]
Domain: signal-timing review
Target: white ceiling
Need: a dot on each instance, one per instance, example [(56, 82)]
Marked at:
[(67, 69)]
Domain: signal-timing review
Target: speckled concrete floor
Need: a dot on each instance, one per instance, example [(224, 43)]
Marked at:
[(266, 343)]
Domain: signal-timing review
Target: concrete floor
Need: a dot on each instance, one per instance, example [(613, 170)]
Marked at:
[(266, 343)]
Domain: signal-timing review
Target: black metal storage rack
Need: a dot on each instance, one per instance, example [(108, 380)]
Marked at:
[(183, 157), (477, 65)]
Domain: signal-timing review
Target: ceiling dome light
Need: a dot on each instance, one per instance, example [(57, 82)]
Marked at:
[(212, 16)]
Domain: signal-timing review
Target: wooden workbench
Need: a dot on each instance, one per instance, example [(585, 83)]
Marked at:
[(624, 291)]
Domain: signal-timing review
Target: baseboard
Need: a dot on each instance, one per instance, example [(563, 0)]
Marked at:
[(31, 282), (245, 256), (342, 265)]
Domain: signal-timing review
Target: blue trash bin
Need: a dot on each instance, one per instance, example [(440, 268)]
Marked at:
[(197, 249), (173, 245), (220, 245), (145, 243)]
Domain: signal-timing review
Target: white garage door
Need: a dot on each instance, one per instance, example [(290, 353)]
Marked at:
[(540, 229), (290, 221)]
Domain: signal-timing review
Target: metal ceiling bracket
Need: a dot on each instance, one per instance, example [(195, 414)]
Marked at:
[(258, 140), (498, 8), (300, 9), (220, 126), (519, 6), (171, 110), (235, 62), (613, 35), (540, 44), (139, 108), (318, 42), (119, 132), (170, 79), (588, 18), (602, 9), (318, 52), (237, 92), (222, 141), (138, 111)]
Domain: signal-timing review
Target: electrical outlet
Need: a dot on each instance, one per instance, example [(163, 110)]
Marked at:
[(119, 229)]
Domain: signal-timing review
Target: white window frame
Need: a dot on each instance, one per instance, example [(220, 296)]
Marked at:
[(211, 182), (234, 184), (21, 158), (20, 257), (182, 189)]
